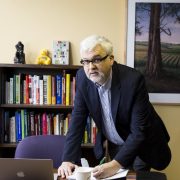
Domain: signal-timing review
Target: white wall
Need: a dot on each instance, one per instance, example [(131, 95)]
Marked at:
[(38, 22)]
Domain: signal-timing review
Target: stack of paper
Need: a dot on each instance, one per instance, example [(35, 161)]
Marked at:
[(121, 173)]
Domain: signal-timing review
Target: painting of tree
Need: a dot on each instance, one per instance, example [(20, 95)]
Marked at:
[(157, 45)]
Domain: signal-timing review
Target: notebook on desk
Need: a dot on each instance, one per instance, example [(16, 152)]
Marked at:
[(26, 169)]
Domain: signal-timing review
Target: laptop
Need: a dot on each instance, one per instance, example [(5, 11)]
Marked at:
[(26, 169)]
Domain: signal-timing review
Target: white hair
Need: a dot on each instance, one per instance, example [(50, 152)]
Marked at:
[(91, 42)]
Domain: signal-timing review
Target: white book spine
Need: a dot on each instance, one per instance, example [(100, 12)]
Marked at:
[(11, 90), (41, 91), (12, 130), (56, 125), (45, 89)]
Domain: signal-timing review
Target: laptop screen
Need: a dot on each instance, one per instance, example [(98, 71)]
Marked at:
[(26, 169)]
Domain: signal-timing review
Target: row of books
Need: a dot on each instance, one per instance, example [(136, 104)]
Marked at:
[(90, 132), (25, 123), (45, 89)]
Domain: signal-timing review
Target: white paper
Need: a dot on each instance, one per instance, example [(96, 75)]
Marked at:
[(55, 176), (121, 173)]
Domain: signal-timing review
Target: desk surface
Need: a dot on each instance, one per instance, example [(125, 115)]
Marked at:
[(143, 176)]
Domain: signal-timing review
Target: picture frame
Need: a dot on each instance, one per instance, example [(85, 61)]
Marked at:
[(168, 95)]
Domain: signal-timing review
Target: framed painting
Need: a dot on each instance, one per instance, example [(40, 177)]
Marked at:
[(153, 46)]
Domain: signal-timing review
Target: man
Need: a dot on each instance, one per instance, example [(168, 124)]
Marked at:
[(116, 98)]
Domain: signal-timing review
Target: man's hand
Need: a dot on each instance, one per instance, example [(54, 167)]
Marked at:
[(66, 169), (106, 170)]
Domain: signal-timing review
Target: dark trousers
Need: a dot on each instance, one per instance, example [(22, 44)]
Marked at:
[(137, 165)]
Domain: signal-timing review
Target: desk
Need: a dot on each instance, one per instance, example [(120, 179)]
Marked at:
[(142, 176), (146, 176)]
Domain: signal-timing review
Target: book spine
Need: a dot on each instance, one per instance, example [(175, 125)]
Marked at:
[(32, 129), (30, 89), (14, 89), (25, 123), (22, 124), (18, 89), (34, 84), (44, 124), (45, 89), (37, 90), (93, 132), (11, 90), (36, 130), (39, 124), (6, 126), (49, 88), (12, 130), (18, 126), (41, 90), (56, 125), (53, 90), (68, 87), (49, 130), (7, 92), (24, 92), (58, 89), (64, 87), (27, 88)]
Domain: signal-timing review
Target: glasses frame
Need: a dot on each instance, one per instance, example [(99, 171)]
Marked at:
[(95, 60)]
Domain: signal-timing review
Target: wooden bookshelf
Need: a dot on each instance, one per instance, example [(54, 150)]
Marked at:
[(8, 70)]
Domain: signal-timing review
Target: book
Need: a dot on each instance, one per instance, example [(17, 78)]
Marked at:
[(6, 126), (27, 89), (41, 90), (44, 89), (49, 88), (44, 124), (22, 124), (64, 87), (7, 92), (18, 126), (11, 89), (30, 89), (53, 81), (12, 130), (32, 126), (58, 89), (18, 88), (68, 90), (60, 52)]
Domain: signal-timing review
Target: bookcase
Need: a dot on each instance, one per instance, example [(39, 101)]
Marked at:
[(9, 105)]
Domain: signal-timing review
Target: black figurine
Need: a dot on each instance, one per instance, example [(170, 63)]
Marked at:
[(20, 56)]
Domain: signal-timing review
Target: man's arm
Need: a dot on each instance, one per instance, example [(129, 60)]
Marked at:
[(106, 170)]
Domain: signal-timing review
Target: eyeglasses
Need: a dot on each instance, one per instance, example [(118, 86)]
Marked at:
[(95, 60)]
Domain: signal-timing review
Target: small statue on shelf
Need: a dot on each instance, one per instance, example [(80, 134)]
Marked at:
[(19, 56), (43, 58)]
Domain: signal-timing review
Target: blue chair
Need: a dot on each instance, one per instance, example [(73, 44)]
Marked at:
[(42, 147)]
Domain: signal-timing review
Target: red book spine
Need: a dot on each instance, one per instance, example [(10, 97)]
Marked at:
[(44, 124)]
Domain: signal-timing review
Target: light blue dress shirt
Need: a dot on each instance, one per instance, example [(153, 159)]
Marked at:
[(108, 123)]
